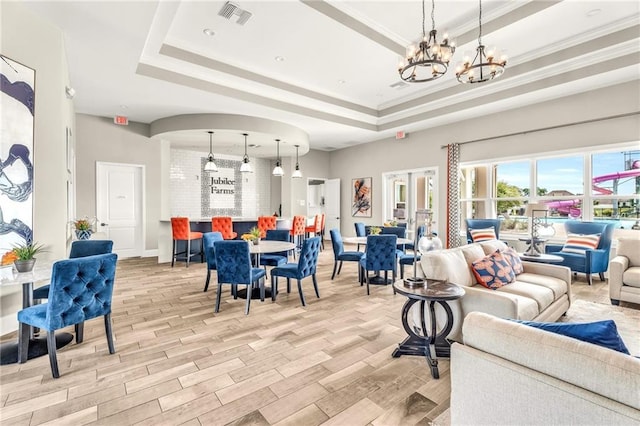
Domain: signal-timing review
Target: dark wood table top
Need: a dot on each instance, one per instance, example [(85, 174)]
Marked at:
[(434, 290)]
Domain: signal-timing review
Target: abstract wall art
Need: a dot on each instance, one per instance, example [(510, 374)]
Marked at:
[(361, 205)]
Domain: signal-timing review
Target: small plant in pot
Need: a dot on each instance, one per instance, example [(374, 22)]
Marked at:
[(25, 255), (83, 229)]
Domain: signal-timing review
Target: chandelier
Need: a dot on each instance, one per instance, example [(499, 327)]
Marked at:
[(430, 59), (484, 67), (246, 166), (211, 165), (277, 170)]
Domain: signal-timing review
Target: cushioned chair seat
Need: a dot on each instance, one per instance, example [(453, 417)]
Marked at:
[(631, 276), (305, 267), (279, 258), (288, 270), (351, 255), (36, 316), (556, 285), (272, 260), (339, 255), (543, 296)]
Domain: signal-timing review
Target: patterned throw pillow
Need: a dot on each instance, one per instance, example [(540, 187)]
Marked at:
[(580, 243), (493, 271), (514, 260), (484, 234)]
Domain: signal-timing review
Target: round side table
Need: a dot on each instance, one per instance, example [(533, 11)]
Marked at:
[(421, 342)]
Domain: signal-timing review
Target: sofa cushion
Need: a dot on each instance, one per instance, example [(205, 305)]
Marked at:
[(493, 271), (483, 234), (601, 333), (631, 277), (629, 248), (543, 296), (448, 265), (556, 285), (514, 260), (580, 243), (492, 245)]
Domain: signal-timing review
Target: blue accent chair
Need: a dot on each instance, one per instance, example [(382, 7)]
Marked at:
[(593, 261), (208, 239), (339, 255), (420, 233), (381, 255), (81, 289), (360, 232), (305, 267), (406, 259), (233, 265), (278, 258), (398, 231), (80, 248), (482, 224)]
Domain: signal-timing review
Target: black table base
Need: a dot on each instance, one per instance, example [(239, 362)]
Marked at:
[(421, 342), (255, 293), (37, 348)]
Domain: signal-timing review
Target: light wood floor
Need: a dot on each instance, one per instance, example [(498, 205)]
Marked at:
[(179, 363)]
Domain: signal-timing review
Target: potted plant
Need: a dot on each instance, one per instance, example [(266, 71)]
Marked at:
[(83, 229), (252, 236), (375, 230), (25, 255)]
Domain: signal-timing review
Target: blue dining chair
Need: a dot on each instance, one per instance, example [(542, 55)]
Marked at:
[(381, 255), (339, 255), (360, 231), (305, 267), (420, 233), (591, 261), (81, 289), (398, 231), (208, 239), (278, 258), (233, 265)]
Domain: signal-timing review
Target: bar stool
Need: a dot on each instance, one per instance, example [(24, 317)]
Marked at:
[(224, 225), (322, 223), (266, 223), (181, 231), (315, 228), (298, 226)]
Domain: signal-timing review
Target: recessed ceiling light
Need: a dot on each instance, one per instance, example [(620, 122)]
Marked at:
[(593, 12), (209, 32), (342, 81), (279, 58)]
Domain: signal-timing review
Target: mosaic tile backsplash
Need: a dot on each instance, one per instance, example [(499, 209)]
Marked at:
[(199, 194)]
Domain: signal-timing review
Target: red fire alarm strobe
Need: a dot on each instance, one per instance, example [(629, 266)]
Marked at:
[(121, 120), (401, 134)]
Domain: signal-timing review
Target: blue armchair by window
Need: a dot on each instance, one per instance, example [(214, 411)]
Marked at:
[(577, 252), (81, 289), (476, 224), (305, 267)]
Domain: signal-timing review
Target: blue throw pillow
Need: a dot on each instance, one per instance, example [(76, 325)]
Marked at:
[(601, 333)]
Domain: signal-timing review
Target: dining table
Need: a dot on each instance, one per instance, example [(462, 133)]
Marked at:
[(264, 246), (9, 277)]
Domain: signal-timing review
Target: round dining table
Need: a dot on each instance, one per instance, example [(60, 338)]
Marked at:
[(265, 246)]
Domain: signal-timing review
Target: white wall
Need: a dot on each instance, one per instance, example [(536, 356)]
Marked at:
[(28, 39), (424, 149), (99, 139)]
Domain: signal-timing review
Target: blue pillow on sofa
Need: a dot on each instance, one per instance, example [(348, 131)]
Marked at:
[(601, 333)]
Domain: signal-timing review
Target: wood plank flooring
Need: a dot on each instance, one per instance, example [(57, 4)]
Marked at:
[(179, 363)]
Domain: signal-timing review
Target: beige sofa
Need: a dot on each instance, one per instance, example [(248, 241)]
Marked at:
[(541, 293), (510, 374), (624, 272)]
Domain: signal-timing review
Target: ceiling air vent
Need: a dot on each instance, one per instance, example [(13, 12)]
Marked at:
[(230, 9), (399, 85)]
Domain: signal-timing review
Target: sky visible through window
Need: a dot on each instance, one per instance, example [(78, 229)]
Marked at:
[(566, 173)]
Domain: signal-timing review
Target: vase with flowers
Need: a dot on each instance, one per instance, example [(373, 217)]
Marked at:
[(375, 230), (23, 256), (83, 228), (252, 236)]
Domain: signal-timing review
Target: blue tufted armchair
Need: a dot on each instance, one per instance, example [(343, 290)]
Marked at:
[(381, 255), (339, 255), (81, 289), (593, 261), (208, 239), (305, 267), (278, 258), (233, 264)]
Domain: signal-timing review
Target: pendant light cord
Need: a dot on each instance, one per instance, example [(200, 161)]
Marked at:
[(433, 11), (480, 24)]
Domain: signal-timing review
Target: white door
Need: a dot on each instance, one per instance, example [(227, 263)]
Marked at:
[(119, 195), (331, 205)]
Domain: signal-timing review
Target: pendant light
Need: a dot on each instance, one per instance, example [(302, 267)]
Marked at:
[(211, 165), (277, 170), (297, 173), (246, 166)]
